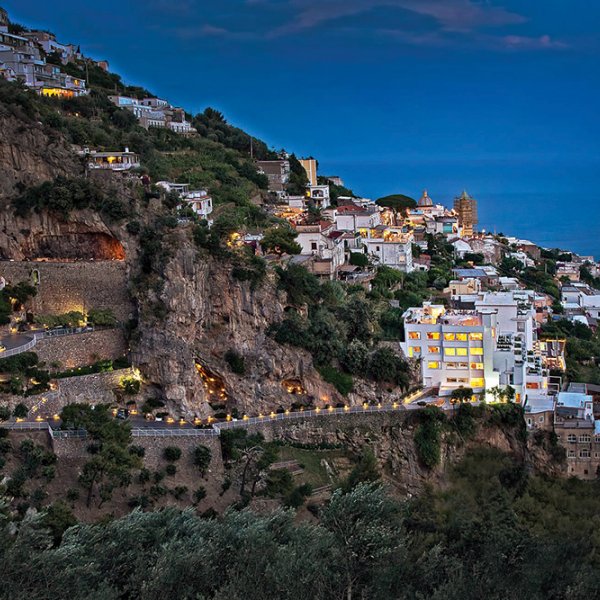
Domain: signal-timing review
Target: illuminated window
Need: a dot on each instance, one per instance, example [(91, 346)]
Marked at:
[(433, 349), (433, 335), (477, 383), (476, 366), (414, 335), (532, 385), (449, 337), (461, 337), (412, 350), (476, 337), (450, 351), (433, 365), (461, 352), (476, 351)]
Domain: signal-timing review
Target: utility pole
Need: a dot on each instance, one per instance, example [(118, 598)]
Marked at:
[(251, 147)]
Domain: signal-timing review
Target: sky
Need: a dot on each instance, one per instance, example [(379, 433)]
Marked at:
[(496, 96)]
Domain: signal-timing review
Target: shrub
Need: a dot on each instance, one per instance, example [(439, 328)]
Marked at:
[(171, 469), (199, 494), (202, 458), (342, 382), (358, 259), (130, 385), (179, 491), (4, 413), (21, 411), (137, 451), (235, 362), (296, 498), (102, 317), (172, 453)]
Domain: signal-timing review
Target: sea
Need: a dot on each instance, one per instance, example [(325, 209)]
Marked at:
[(554, 203)]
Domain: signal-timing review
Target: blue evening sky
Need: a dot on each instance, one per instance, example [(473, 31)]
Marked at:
[(498, 96)]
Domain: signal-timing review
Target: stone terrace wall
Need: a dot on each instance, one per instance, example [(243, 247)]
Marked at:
[(74, 286), (82, 349)]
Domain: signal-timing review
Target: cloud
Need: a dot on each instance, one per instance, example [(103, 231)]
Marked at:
[(450, 15), (519, 42)]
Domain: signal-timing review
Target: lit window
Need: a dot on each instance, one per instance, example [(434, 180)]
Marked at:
[(461, 337), (433, 335), (450, 351), (433, 349), (414, 350), (449, 337), (461, 352), (433, 365), (476, 366), (477, 383), (414, 335), (476, 337), (476, 351)]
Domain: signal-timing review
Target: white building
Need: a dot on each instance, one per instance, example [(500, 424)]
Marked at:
[(198, 200), (350, 217), (319, 194), (389, 246), (493, 345), (321, 241)]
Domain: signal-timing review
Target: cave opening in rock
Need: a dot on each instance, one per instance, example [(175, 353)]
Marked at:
[(75, 246), (214, 385), (293, 386)]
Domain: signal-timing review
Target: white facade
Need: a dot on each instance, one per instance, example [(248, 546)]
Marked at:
[(494, 345), (319, 194), (390, 247)]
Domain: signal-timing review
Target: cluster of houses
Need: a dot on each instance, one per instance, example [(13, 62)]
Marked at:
[(329, 235), (155, 112), (23, 58)]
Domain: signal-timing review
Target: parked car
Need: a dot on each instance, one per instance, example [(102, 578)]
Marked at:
[(122, 413)]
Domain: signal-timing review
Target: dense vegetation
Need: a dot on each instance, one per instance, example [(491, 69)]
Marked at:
[(494, 532)]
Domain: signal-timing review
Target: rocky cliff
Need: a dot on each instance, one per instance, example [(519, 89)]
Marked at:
[(31, 154)]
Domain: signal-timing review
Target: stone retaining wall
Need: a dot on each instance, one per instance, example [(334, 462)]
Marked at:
[(66, 286), (81, 349)]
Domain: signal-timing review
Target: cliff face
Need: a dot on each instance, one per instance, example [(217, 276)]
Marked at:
[(209, 313), (29, 155)]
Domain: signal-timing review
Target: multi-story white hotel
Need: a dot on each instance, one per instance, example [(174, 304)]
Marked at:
[(493, 345)]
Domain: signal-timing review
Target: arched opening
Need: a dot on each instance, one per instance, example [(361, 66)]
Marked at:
[(214, 385), (75, 246)]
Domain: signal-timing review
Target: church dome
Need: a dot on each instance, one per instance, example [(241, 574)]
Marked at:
[(425, 200)]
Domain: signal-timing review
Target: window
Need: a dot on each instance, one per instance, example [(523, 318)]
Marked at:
[(541, 419), (461, 337), (476, 351), (476, 337), (477, 366), (313, 245), (414, 335), (450, 351), (529, 422), (433, 365), (585, 453), (477, 382), (449, 337), (433, 349), (571, 454), (414, 350), (433, 335), (585, 438), (461, 352), (571, 438)]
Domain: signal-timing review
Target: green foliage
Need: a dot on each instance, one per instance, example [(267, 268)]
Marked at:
[(235, 361), (280, 240), (428, 436), (250, 267), (57, 518), (172, 453), (365, 471), (461, 394), (342, 382), (73, 318), (387, 367), (20, 292), (19, 363), (21, 411), (298, 178), (130, 385), (300, 286), (202, 456), (358, 259), (102, 317), (64, 195), (397, 202)]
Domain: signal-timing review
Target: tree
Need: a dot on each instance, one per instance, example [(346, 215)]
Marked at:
[(355, 357), (102, 317), (461, 394), (21, 411), (365, 471), (386, 367), (397, 202), (359, 259), (280, 240), (172, 453), (202, 458)]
